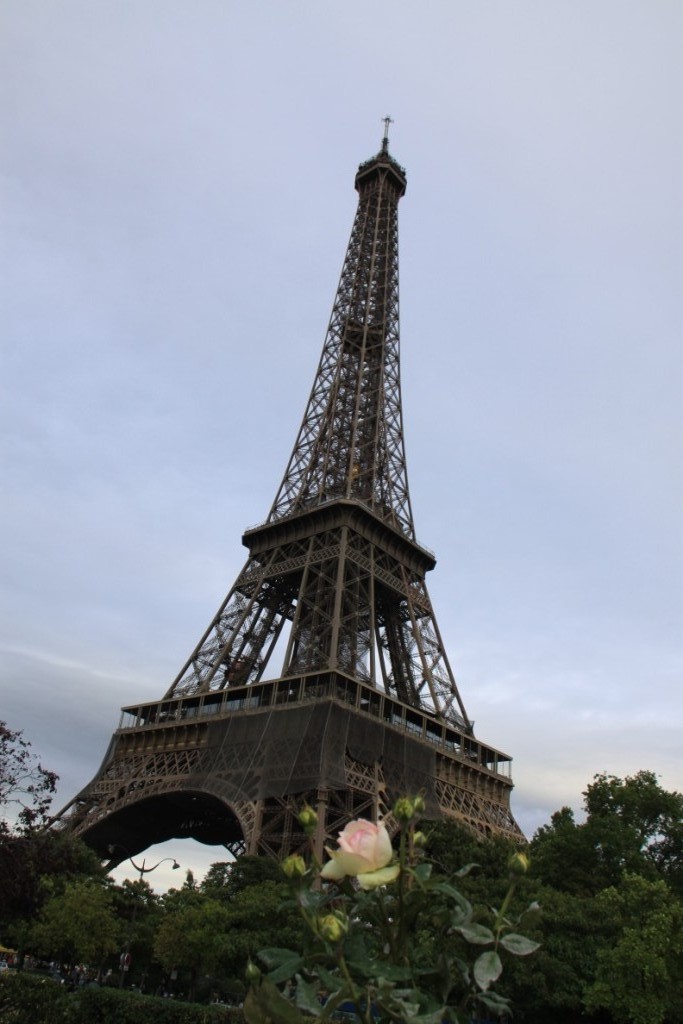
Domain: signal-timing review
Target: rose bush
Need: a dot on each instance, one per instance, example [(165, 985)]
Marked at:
[(371, 950)]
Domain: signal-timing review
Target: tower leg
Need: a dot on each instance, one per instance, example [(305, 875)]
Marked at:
[(253, 843)]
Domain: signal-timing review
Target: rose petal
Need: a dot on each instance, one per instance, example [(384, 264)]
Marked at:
[(367, 840), (383, 849), (371, 879), (343, 863), (332, 871)]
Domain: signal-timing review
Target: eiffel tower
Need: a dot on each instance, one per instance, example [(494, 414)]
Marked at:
[(365, 707)]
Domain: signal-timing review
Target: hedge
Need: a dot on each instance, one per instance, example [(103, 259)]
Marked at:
[(31, 999)]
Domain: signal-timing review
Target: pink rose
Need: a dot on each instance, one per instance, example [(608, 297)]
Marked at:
[(364, 852)]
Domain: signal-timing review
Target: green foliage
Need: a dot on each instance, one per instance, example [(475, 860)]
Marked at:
[(29, 999), (255, 916), (29, 853), (552, 982), (204, 936), (139, 909), (610, 890), (78, 924), (632, 825), (639, 972), (103, 1006), (484, 881), (451, 845), (191, 938), (25, 786), (365, 948), (33, 867), (609, 887), (224, 880)]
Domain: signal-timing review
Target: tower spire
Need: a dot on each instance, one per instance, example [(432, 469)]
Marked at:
[(322, 677), (385, 141)]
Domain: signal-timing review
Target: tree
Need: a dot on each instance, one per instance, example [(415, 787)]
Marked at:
[(33, 867), (215, 928), (259, 916), (593, 929), (451, 846), (632, 826), (563, 855), (79, 924), (190, 939), (646, 836), (551, 984), (225, 879), (138, 908), (639, 978), (25, 786), (29, 852)]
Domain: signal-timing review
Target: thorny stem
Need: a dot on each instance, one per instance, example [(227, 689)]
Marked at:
[(400, 952), (314, 856), (500, 916), (354, 991), (389, 930), (411, 851)]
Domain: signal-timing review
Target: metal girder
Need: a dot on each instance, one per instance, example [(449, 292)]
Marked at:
[(334, 585), (350, 443)]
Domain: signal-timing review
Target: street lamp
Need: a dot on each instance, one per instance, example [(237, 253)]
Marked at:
[(143, 870)]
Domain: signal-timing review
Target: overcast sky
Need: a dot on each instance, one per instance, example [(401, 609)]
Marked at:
[(177, 197)]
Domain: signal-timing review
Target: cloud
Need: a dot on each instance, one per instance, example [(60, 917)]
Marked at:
[(179, 193)]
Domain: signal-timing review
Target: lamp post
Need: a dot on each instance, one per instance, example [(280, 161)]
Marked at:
[(142, 870)]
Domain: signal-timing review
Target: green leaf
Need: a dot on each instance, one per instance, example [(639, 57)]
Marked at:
[(286, 970), (463, 872), (329, 981), (265, 1004), (445, 889), (477, 934), (391, 972), (487, 969), (309, 899), (422, 872), (462, 967), (307, 997), (362, 968), (274, 956), (519, 944), (436, 1017), (371, 968), (355, 946), (493, 1001), (253, 1012), (333, 1001)]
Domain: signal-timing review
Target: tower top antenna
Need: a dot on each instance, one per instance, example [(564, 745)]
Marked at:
[(385, 141)]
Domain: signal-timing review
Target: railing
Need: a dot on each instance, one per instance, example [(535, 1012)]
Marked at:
[(301, 690), (319, 501)]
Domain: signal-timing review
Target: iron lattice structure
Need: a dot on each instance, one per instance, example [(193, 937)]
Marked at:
[(365, 706)]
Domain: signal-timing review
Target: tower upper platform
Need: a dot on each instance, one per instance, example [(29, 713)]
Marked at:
[(382, 162)]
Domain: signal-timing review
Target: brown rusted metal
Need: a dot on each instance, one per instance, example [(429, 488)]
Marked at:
[(364, 705)]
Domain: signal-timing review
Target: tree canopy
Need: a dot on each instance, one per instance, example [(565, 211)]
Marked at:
[(26, 788), (631, 825), (608, 885)]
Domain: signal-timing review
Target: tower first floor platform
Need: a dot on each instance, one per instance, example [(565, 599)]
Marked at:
[(234, 767)]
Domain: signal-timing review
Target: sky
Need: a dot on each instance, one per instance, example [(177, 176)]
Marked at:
[(177, 197)]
